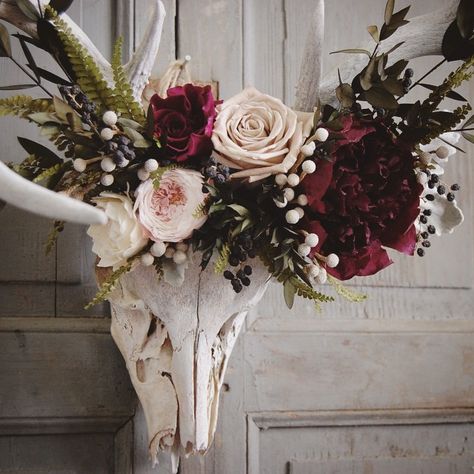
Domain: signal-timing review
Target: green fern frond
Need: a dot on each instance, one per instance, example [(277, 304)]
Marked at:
[(124, 101), (223, 259), (88, 74), (109, 285), (305, 291), (345, 292), (53, 236), (24, 105), (47, 173), (203, 209)]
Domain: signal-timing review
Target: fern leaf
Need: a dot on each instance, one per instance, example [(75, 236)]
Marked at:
[(47, 173), (345, 292), (124, 101), (109, 285), (223, 259), (305, 291), (53, 236), (87, 72), (24, 105), (203, 209), (158, 174)]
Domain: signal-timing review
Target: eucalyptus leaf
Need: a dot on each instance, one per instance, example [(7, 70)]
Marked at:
[(62, 109), (394, 48), (379, 97), (469, 121), (60, 5), (29, 57), (352, 51), (345, 95), (454, 46), (451, 94), (389, 8), (5, 44), (465, 18), (240, 210), (397, 68), (46, 157), (137, 138), (17, 87), (394, 86), (374, 32), (366, 78), (289, 292), (53, 78), (129, 123), (468, 136), (43, 118), (29, 9)]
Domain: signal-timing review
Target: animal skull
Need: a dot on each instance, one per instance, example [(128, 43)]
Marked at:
[(176, 342)]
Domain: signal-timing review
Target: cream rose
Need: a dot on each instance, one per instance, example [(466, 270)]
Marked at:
[(168, 213), (259, 135), (122, 236)]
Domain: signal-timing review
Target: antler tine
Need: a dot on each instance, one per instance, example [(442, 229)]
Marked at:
[(307, 90), (140, 66), (31, 197), (423, 36)]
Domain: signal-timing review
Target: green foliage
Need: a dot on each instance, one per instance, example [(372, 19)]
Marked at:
[(158, 174), (123, 96), (223, 259), (345, 292), (203, 209), (87, 73), (23, 105), (47, 173), (58, 227), (109, 284)]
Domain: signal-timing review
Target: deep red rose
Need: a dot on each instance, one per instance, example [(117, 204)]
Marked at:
[(364, 199), (184, 121)]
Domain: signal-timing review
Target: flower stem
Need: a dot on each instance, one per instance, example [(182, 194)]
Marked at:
[(428, 73)]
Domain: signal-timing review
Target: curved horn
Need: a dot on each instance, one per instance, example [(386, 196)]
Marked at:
[(31, 197), (140, 66), (423, 36), (307, 89)]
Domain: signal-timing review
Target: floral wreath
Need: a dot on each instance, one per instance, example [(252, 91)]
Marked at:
[(316, 196)]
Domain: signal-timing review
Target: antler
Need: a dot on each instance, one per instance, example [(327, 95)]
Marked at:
[(423, 36), (138, 69), (307, 90)]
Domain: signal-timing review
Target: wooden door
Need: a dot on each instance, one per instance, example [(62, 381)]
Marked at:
[(382, 387)]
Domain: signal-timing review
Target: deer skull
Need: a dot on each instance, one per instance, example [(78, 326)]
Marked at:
[(176, 342)]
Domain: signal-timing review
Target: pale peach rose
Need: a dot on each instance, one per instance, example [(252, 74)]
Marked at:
[(168, 213), (259, 135), (122, 237)]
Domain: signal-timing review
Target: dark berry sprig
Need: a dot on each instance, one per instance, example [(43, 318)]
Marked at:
[(80, 103)]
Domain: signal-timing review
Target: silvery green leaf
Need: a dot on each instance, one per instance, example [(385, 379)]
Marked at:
[(125, 122), (5, 45), (29, 9)]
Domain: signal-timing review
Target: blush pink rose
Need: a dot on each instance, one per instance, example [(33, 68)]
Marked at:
[(168, 213)]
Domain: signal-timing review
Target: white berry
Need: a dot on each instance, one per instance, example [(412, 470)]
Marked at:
[(312, 240), (308, 166), (80, 165), (322, 277), (158, 249), (332, 260), (425, 158), (292, 217), (107, 180), (147, 259), (289, 194), (107, 134), (293, 180), (314, 271), (442, 152), (302, 200), (179, 257), (110, 118), (304, 250), (107, 164), (321, 135), (308, 149), (143, 175), (280, 179), (300, 212), (151, 165)]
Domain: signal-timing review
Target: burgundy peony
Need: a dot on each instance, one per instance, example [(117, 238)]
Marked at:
[(364, 199), (184, 121)]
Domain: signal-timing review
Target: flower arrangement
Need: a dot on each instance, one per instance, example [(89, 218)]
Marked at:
[(316, 196)]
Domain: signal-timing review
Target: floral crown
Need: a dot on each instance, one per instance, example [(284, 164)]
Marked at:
[(173, 174)]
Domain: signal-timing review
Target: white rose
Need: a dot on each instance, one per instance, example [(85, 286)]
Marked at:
[(122, 236), (168, 213), (259, 135)]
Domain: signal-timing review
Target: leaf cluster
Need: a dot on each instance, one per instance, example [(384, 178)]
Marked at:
[(458, 41)]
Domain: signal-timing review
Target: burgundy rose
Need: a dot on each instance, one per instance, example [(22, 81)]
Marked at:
[(184, 121), (365, 198)]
